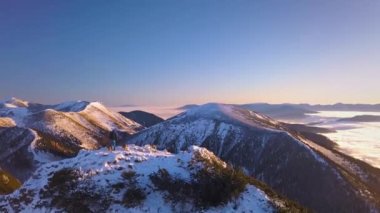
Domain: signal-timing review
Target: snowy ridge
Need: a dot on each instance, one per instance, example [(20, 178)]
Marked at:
[(104, 169), (71, 106), (55, 130), (229, 112), (15, 102), (20, 110), (107, 117), (264, 148)]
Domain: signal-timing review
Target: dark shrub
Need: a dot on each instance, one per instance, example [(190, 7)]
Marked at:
[(128, 175), (161, 179), (211, 186), (179, 190), (118, 186), (134, 196), (68, 190), (64, 177)]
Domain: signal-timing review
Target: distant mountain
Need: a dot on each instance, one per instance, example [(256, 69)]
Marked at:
[(14, 102), (298, 111), (144, 118), (187, 107), (142, 179), (276, 111), (279, 111), (128, 105), (344, 107), (32, 134), (316, 176), (312, 133), (361, 118), (309, 108), (307, 128)]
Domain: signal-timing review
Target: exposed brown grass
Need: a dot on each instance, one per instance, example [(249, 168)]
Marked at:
[(8, 183)]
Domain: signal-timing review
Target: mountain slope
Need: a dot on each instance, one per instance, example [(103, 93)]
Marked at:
[(279, 111), (141, 179), (265, 149), (144, 118), (15, 156), (32, 134)]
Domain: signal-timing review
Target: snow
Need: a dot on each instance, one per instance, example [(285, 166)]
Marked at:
[(307, 145), (197, 124), (15, 102), (17, 114), (80, 111), (74, 124), (41, 156), (199, 130), (252, 200), (107, 117), (338, 159), (210, 109), (226, 122), (71, 106), (250, 118), (10, 105), (105, 168), (83, 120)]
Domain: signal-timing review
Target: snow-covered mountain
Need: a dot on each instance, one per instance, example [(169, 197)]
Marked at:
[(142, 179), (321, 179), (32, 134)]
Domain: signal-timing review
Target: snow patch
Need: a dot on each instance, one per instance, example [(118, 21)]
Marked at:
[(105, 169)]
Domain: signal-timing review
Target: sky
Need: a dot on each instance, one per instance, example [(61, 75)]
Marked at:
[(163, 53)]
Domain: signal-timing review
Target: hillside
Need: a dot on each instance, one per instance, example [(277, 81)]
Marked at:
[(285, 160), (32, 134), (279, 111), (142, 179)]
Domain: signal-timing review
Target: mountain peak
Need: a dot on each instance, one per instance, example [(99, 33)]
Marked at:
[(209, 109), (14, 102), (71, 106), (231, 113)]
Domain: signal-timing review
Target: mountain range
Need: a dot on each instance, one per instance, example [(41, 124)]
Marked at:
[(47, 147), (361, 118), (298, 111)]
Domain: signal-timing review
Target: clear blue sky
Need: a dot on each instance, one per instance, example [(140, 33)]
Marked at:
[(190, 51)]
